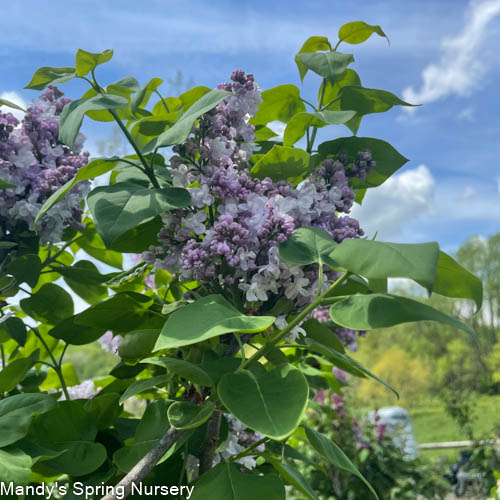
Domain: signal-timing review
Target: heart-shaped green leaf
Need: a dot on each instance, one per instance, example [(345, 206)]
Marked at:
[(184, 415), (16, 413), (46, 75), (208, 317), (279, 103), (377, 260), (312, 44), (308, 245), (358, 32), (272, 403), (282, 163), (122, 206), (226, 482), (88, 61), (329, 65)]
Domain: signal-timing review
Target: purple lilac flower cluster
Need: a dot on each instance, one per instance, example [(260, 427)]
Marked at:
[(228, 239), (37, 164)]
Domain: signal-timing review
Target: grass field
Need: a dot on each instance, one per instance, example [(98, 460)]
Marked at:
[(433, 424)]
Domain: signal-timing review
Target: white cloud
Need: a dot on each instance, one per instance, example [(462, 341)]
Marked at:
[(460, 70), (16, 99), (392, 205)]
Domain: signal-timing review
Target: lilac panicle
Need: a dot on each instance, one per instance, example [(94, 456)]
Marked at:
[(228, 238), (38, 164)]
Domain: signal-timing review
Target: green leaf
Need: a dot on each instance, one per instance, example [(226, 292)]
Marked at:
[(6, 185), (378, 260), (208, 317), (331, 92), (308, 245), (88, 61), (77, 458), (191, 96), (388, 160), (15, 467), (312, 44), (84, 281), (143, 385), (282, 163), (272, 404), (452, 280), (68, 421), (225, 481), (180, 131), (97, 167), (263, 133), (301, 122), (322, 334), (184, 369), (335, 455), (358, 32), (72, 114), (150, 429), (16, 413), (294, 477), (329, 65), (142, 97), (121, 313), (138, 345), (25, 268), (365, 101), (104, 409), (9, 104), (279, 103), (51, 304), (16, 329), (122, 206), (365, 312), (184, 415), (46, 76)]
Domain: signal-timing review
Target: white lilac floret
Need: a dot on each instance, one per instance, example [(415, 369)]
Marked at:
[(37, 163)]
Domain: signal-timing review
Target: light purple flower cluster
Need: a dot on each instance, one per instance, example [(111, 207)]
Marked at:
[(109, 342), (85, 390), (228, 239), (37, 164), (237, 440)]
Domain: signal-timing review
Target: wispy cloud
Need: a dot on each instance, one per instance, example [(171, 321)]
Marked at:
[(402, 198), (15, 98), (460, 69)]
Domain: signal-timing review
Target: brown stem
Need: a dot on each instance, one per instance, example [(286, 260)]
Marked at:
[(142, 468), (210, 444)]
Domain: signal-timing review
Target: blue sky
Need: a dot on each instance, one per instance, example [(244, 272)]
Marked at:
[(442, 54)]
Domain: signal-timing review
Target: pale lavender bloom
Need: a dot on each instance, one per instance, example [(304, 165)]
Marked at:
[(33, 159), (85, 390), (109, 342)]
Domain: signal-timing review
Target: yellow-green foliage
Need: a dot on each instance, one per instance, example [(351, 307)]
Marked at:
[(409, 376)]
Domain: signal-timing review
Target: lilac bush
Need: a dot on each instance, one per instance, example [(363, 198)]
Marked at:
[(36, 164)]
